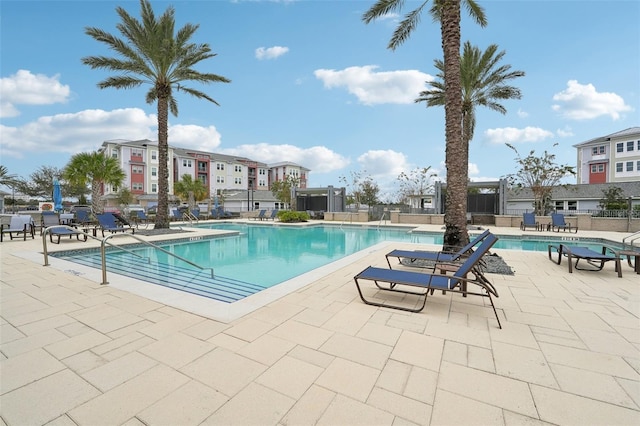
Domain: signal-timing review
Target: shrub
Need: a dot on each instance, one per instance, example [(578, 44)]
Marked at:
[(292, 216)]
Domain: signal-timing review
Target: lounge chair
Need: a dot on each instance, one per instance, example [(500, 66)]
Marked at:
[(123, 220), (414, 255), (594, 259), (141, 218), (529, 221), (273, 216), (83, 218), (20, 224), (51, 225), (558, 223), (108, 223), (457, 283), (261, 215)]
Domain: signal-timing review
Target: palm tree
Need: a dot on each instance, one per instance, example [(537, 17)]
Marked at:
[(94, 168), (190, 189), (447, 12), (5, 178), (484, 83), (152, 53)]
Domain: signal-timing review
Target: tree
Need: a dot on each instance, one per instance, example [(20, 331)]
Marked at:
[(416, 183), (369, 191), (40, 184), (353, 185), (124, 197), (190, 189), (540, 175), (96, 169), (447, 12), (152, 53), (613, 199), (7, 179), (484, 83), (281, 189)]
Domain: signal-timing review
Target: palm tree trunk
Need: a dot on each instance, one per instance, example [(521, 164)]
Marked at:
[(162, 212), (456, 159), (96, 196)]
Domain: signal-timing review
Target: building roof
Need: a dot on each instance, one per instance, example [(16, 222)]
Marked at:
[(622, 133), (288, 163), (593, 191)]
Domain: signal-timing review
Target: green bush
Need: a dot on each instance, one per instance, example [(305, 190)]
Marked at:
[(292, 216)]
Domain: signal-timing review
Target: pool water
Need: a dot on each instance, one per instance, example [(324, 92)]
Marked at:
[(261, 256)]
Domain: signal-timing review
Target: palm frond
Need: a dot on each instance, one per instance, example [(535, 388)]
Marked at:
[(381, 8)]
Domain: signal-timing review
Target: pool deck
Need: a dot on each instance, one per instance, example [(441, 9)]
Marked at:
[(74, 352)]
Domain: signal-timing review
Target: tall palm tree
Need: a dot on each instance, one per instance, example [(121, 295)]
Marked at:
[(447, 12), (484, 83), (153, 53), (96, 169), (6, 178)]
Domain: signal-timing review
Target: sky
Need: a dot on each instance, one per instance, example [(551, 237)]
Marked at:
[(313, 84)]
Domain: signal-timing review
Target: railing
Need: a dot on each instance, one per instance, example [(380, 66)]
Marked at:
[(632, 238), (104, 241), (591, 212)]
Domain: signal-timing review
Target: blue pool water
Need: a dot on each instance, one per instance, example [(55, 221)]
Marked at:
[(261, 256)]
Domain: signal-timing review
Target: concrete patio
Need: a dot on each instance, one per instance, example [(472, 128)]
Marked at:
[(74, 352)]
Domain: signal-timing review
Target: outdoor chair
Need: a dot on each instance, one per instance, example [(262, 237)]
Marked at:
[(398, 280), (273, 216), (414, 255), (260, 215), (594, 259), (123, 220), (558, 223), (83, 218), (20, 224), (529, 221), (107, 222), (141, 218), (54, 229)]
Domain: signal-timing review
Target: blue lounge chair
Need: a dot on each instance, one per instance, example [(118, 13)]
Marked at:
[(397, 280), (593, 258), (273, 216), (142, 218), (529, 221), (260, 215), (414, 255), (51, 225), (108, 223), (558, 223), (83, 217)]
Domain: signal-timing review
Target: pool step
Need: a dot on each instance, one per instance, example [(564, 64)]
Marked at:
[(186, 279)]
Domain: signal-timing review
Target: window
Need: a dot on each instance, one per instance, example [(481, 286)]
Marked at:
[(638, 166), (220, 179), (154, 172), (220, 166), (618, 167), (114, 153), (203, 179), (135, 152), (202, 167), (629, 166), (137, 170), (186, 163), (630, 145), (559, 205), (154, 155), (596, 150), (154, 187), (597, 168), (264, 172), (136, 186), (237, 181), (238, 168), (256, 205), (619, 147), (638, 145), (572, 205)]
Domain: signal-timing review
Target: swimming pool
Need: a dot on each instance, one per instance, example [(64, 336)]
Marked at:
[(257, 256)]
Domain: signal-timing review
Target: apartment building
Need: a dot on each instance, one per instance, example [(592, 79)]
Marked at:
[(219, 172), (611, 158)]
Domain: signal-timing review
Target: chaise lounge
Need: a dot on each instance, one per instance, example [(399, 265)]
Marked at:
[(558, 223), (594, 259), (397, 280), (108, 223), (529, 221), (414, 255)]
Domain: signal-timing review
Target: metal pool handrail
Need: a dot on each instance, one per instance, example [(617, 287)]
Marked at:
[(633, 237), (104, 241)]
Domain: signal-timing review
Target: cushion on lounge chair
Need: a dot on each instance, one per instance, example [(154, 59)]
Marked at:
[(108, 223)]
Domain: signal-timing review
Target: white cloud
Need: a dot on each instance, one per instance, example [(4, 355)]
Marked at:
[(270, 52), (371, 87), (522, 114), (513, 135), (25, 88), (384, 163), (194, 137), (319, 159), (473, 169), (583, 102), (77, 132), (565, 133)]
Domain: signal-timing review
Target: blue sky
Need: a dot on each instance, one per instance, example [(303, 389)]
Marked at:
[(312, 84)]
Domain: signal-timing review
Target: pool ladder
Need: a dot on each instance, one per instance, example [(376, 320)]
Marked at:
[(103, 243), (632, 238)]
